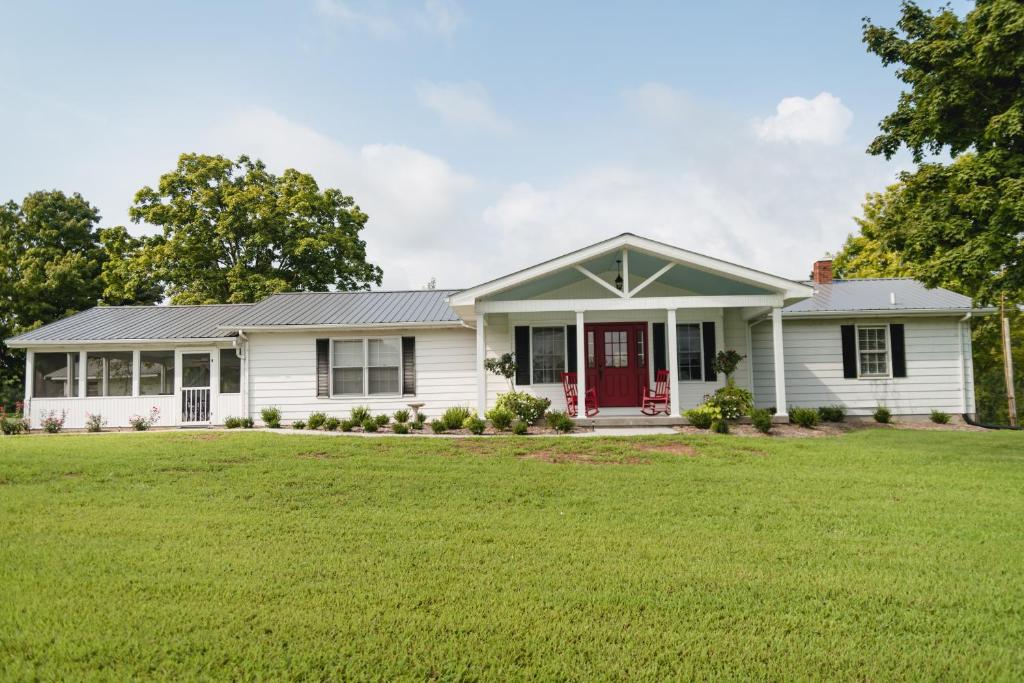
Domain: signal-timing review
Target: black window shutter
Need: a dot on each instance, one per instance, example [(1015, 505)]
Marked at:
[(570, 345), (408, 366), (849, 334), (710, 349), (323, 367), (522, 355), (658, 344), (899, 351)]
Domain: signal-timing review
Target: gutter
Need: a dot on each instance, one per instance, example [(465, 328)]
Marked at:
[(887, 313), (361, 326), (30, 343)]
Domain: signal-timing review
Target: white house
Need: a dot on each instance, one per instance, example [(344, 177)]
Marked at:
[(614, 312)]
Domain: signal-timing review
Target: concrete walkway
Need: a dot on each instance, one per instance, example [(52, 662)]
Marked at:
[(602, 431)]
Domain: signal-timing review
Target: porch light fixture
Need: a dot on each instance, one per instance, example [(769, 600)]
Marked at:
[(618, 278)]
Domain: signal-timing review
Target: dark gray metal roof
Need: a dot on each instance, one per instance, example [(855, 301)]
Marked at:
[(349, 309), (114, 323), (875, 294)]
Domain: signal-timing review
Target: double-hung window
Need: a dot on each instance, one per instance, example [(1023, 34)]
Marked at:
[(367, 367), (547, 348), (689, 351), (873, 351)]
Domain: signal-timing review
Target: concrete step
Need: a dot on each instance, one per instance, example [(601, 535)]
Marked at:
[(630, 421)]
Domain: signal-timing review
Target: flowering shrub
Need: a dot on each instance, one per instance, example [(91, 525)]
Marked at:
[(13, 423), (526, 407), (94, 422), (51, 423), (141, 423)]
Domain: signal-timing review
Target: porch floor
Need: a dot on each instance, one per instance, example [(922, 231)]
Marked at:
[(629, 417)]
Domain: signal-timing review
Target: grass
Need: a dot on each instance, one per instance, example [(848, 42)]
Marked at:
[(880, 554)]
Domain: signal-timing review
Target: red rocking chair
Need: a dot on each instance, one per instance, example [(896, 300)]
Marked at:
[(572, 396), (656, 401)]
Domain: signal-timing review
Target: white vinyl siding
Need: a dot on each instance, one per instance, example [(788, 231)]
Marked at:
[(814, 367)]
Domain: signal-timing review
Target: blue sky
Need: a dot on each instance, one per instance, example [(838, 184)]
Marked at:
[(480, 137)]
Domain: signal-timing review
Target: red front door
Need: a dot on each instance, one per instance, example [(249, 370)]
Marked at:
[(617, 362)]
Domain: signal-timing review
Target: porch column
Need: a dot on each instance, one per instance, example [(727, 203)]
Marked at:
[(673, 362), (481, 373), (581, 366), (30, 376), (781, 409), (83, 375), (136, 372)]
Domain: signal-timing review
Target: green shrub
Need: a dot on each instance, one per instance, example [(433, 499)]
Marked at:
[(526, 407), (733, 401), (401, 416), (805, 417), (703, 415), (229, 423), (418, 423), (832, 413), (332, 423), (501, 418), (299, 424), (762, 420), (475, 425), (520, 427), (271, 416), (369, 425), (359, 414), (939, 417), (11, 425), (247, 422), (559, 421), (455, 416), (438, 426), (347, 425), (94, 422), (720, 426), (883, 415), (381, 420), (400, 428), (316, 420)]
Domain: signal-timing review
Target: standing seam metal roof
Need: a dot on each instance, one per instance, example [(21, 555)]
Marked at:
[(112, 323), (350, 308), (873, 294)]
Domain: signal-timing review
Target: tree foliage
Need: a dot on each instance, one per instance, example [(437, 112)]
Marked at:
[(234, 232), (961, 220)]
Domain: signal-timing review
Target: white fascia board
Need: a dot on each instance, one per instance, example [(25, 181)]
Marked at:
[(638, 303), (76, 343), (360, 326), (789, 288), (888, 313)]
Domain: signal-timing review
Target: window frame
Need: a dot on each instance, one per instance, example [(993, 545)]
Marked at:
[(565, 353), (72, 371), (700, 340), (888, 351), (220, 371), (173, 374), (366, 367), (104, 378)]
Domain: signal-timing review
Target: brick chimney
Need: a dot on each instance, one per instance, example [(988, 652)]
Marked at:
[(822, 272)]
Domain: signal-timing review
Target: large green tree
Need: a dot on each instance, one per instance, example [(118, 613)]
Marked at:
[(51, 264), (234, 232), (959, 220)]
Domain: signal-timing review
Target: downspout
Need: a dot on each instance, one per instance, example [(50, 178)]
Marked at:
[(244, 357)]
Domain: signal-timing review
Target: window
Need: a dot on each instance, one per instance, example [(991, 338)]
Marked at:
[(616, 349), (156, 373), (108, 373), (641, 350), (548, 351), (384, 363), (872, 351), (347, 371), (591, 361), (51, 375), (230, 372), (688, 349)]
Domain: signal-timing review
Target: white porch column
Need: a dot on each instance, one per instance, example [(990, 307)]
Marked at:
[(581, 366), (481, 373), (781, 409), (673, 362), (83, 375), (136, 372), (30, 376)]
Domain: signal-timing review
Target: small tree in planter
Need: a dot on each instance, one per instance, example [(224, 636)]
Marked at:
[(503, 366), (726, 363)]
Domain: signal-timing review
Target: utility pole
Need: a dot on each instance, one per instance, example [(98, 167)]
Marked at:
[(1011, 395)]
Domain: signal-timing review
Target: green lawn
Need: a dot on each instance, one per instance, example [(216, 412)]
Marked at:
[(880, 554)]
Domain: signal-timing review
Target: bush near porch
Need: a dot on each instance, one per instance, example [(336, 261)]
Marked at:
[(881, 554)]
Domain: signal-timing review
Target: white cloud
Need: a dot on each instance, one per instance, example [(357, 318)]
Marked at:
[(412, 198), (383, 19), (823, 119), (461, 104)]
